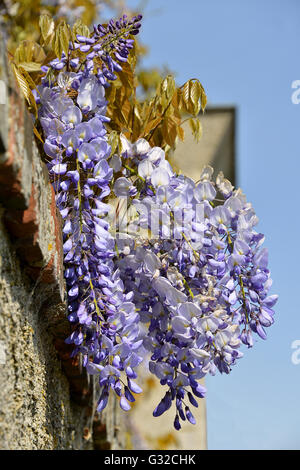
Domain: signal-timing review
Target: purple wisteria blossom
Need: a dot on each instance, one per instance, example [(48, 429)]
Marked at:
[(200, 281), (105, 322), (182, 281)]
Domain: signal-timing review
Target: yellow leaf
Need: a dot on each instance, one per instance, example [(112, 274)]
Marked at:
[(37, 134), (113, 140), (186, 92), (176, 100), (29, 51), (27, 77), (126, 76), (170, 87), (22, 82), (195, 97), (24, 87), (203, 98), (64, 37), (196, 128), (81, 29), (30, 66), (61, 39), (46, 24)]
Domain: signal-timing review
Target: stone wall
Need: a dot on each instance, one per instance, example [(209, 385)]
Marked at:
[(45, 398)]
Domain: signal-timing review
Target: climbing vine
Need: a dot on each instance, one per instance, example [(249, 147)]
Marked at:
[(159, 269)]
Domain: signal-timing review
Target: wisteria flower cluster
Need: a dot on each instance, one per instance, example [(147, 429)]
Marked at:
[(181, 280)]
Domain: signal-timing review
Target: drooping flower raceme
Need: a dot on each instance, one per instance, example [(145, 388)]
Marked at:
[(72, 110), (201, 284), (182, 277)]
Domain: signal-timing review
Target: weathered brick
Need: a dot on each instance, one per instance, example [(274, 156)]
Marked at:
[(16, 158), (45, 396)]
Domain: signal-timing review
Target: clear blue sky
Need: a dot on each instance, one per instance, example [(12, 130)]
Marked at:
[(247, 53)]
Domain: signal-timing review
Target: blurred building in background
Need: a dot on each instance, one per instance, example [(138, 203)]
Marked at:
[(216, 148)]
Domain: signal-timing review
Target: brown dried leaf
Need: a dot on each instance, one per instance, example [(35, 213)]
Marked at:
[(180, 133), (152, 125), (169, 131)]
